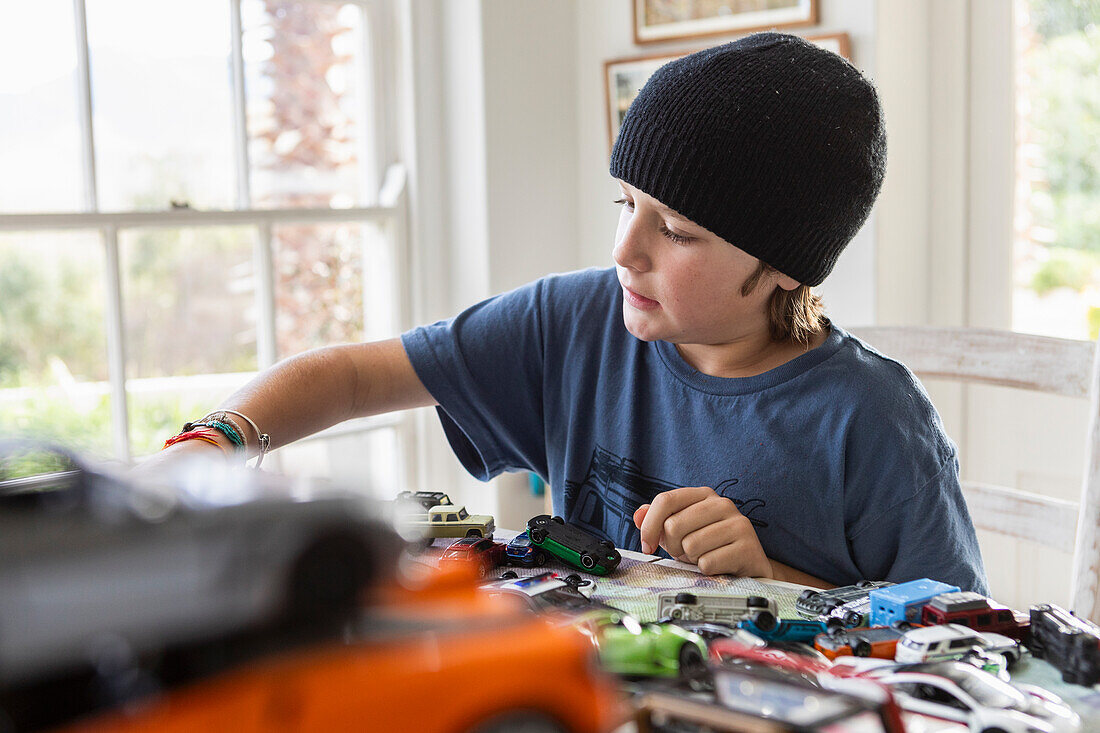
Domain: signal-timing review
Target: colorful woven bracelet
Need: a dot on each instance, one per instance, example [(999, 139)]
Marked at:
[(224, 428), (206, 436)]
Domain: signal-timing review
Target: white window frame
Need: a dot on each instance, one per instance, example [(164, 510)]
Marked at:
[(389, 213)]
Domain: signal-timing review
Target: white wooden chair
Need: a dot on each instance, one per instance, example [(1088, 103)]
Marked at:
[(1050, 365)]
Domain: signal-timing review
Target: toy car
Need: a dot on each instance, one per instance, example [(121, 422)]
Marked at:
[(874, 641), (951, 641), (521, 552), (976, 611), (1070, 643), (573, 545), (450, 520), (206, 552), (629, 648), (801, 696), (435, 658), (765, 625), (815, 604), (425, 500), (484, 553), (982, 702), (717, 607), (904, 602)]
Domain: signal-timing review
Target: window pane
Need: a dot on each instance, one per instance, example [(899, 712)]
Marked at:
[(369, 461), (161, 93), (189, 301), (190, 313), (1057, 217), (40, 152), (305, 101), (319, 284), (53, 352)]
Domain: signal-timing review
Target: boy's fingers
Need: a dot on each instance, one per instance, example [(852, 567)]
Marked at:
[(664, 505), (639, 515)]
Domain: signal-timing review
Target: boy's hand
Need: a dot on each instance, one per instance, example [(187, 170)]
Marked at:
[(697, 525)]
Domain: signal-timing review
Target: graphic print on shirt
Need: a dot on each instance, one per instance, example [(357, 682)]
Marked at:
[(604, 502)]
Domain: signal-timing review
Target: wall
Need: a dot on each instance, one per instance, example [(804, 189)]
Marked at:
[(604, 32)]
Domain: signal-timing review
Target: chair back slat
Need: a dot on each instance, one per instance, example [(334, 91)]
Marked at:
[(1021, 514), (984, 356)]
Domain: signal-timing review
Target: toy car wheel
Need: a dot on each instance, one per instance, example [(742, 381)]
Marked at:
[(676, 614), (692, 665), (509, 575), (807, 594), (327, 579), (902, 625), (834, 626), (588, 561), (559, 520), (756, 602), (864, 584), (537, 535), (862, 648), (540, 521), (853, 618), (540, 558), (577, 581), (474, 533), (765, 621), (829, 604)]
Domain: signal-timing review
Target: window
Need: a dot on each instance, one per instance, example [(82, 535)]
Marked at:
[(183, 203), (1056, 260)]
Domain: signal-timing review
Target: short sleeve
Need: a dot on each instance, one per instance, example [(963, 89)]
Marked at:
[(484, 368), (926, 534)]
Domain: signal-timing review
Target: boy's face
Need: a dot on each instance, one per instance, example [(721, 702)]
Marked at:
[(682, 283)]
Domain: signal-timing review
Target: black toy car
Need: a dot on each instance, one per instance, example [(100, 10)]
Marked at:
[(1069, 642), (424, 499), (573, 545), (813, 603)]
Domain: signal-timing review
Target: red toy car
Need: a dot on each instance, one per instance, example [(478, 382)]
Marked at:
[(485, 553), (976, 611)]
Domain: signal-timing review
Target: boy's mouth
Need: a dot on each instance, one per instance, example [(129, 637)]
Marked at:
[(639, 301)]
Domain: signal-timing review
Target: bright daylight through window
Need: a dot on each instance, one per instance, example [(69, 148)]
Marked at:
[(187, 198), (1056, 261)]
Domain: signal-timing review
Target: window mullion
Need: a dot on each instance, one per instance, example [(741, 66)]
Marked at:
[(240, 120), (116, 348), (84, 91), (265, 296)]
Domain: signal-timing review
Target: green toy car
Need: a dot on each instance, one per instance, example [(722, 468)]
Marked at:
[(629, 648), (573, 545)]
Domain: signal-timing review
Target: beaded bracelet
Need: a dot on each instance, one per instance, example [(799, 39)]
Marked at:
[(222, 416), (227, 429)]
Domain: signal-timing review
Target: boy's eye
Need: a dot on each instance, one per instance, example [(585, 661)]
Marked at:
[(678, 238), (668, 233)]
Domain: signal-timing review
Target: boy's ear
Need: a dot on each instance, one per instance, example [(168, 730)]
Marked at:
[(787, 283)]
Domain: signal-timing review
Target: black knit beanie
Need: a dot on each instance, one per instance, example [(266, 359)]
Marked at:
[(772, 143)]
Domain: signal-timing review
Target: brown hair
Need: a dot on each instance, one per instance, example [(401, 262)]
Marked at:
[(793, 315)]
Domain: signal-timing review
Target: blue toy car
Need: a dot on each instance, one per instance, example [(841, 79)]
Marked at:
[(520, 551), (769, 628), (903, 602)]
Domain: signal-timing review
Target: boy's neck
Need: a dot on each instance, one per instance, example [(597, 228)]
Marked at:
[(746, 357)]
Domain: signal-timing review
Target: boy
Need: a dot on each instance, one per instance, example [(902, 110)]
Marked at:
[(694, 398)]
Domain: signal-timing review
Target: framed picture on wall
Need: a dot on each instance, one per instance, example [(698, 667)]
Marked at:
[(666, 20), (624, 78)]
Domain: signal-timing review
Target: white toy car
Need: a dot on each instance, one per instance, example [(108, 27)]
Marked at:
[(712, 607), (951, 641), (965, 694)]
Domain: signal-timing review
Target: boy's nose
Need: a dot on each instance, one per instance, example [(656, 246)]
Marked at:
[(630, 248)]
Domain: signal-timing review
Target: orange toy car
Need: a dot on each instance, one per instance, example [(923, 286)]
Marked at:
[(875, 641), (431, 655)]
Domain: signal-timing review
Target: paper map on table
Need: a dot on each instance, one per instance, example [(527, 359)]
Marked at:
[(635, 585)]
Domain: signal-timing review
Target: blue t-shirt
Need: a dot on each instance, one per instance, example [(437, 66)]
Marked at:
[(837, 457)]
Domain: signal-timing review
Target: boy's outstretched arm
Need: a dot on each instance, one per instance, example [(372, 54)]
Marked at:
[(315, 390), (696, 524)]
